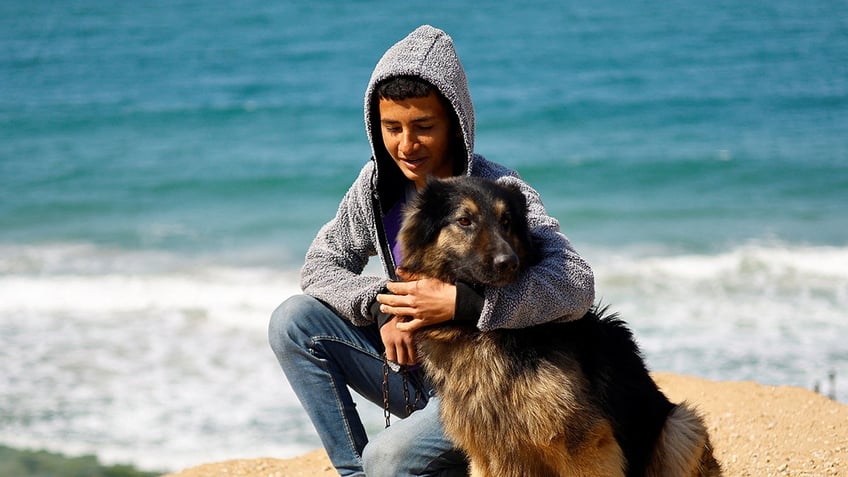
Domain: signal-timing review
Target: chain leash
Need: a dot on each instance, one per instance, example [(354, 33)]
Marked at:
[(386, 413), (404, 374)]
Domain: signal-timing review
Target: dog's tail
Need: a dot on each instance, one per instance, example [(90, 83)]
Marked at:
[(683, 448)]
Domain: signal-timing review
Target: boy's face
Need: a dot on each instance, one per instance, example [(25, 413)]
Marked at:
[(416, 132)]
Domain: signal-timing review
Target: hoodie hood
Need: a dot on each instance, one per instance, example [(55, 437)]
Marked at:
[(427, 53)]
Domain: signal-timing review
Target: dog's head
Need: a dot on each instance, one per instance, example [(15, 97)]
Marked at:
[(469, 229)]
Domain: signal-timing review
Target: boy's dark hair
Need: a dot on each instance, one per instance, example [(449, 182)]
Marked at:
[(404, 87), (398, 88)]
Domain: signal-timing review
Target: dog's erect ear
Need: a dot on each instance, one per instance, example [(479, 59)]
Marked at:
[(426, 214), (516, 199)]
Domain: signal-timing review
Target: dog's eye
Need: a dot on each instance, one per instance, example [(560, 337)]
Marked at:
[(463, 221)]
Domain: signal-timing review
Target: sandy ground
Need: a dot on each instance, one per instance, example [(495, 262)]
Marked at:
[(757, 431)]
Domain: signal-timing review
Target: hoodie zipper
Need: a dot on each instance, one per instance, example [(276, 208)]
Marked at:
[(388, 258)]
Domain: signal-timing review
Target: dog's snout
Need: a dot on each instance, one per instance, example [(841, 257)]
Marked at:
[(506, 263)]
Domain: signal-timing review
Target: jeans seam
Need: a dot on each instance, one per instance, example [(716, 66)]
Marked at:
[(339, 404), (335, 339)]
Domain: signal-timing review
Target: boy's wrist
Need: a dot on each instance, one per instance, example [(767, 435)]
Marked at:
[(469, 303)]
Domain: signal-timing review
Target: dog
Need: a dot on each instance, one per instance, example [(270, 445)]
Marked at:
[(569, 398)]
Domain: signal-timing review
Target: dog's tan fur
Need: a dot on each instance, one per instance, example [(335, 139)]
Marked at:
[(537, 417), (683, 447), (511, 426)]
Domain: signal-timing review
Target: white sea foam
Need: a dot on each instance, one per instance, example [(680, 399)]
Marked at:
[(143, 357), (162, 360), (86, 280), (768, 312)]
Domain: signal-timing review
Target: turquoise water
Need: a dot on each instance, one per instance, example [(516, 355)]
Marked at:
[(164, 165)]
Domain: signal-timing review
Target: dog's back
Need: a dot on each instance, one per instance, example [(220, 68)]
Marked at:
[(570, 398), (618, 379), (657, 437)]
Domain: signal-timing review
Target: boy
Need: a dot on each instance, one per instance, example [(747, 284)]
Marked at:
[(420, 122)]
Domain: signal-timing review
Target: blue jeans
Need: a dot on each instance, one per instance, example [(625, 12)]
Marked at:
[(323, 355)]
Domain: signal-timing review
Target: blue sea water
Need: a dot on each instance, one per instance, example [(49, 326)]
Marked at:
[(164, 166)]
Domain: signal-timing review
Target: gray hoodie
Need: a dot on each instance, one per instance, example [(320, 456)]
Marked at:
[(559, 287)]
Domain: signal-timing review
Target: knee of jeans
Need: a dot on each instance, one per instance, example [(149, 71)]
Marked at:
[(285, 330), (380, 459), (386, 457)]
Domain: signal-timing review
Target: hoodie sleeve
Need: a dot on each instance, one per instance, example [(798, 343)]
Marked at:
[(559, 287), (340, 252)]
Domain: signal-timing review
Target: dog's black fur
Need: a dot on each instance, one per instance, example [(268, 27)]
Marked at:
[(611, 361), (476, 231)]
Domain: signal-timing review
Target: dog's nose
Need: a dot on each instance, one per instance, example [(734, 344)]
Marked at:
[(506, 263)]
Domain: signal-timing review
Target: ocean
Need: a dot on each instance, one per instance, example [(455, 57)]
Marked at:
[(164, 165)]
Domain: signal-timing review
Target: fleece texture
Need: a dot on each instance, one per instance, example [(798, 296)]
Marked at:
[(559, 287)]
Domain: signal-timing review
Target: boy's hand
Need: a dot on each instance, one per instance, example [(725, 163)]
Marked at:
[(399, 345), (423, 302)]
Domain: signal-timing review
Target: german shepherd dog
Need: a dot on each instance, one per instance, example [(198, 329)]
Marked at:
[(559, 399)]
